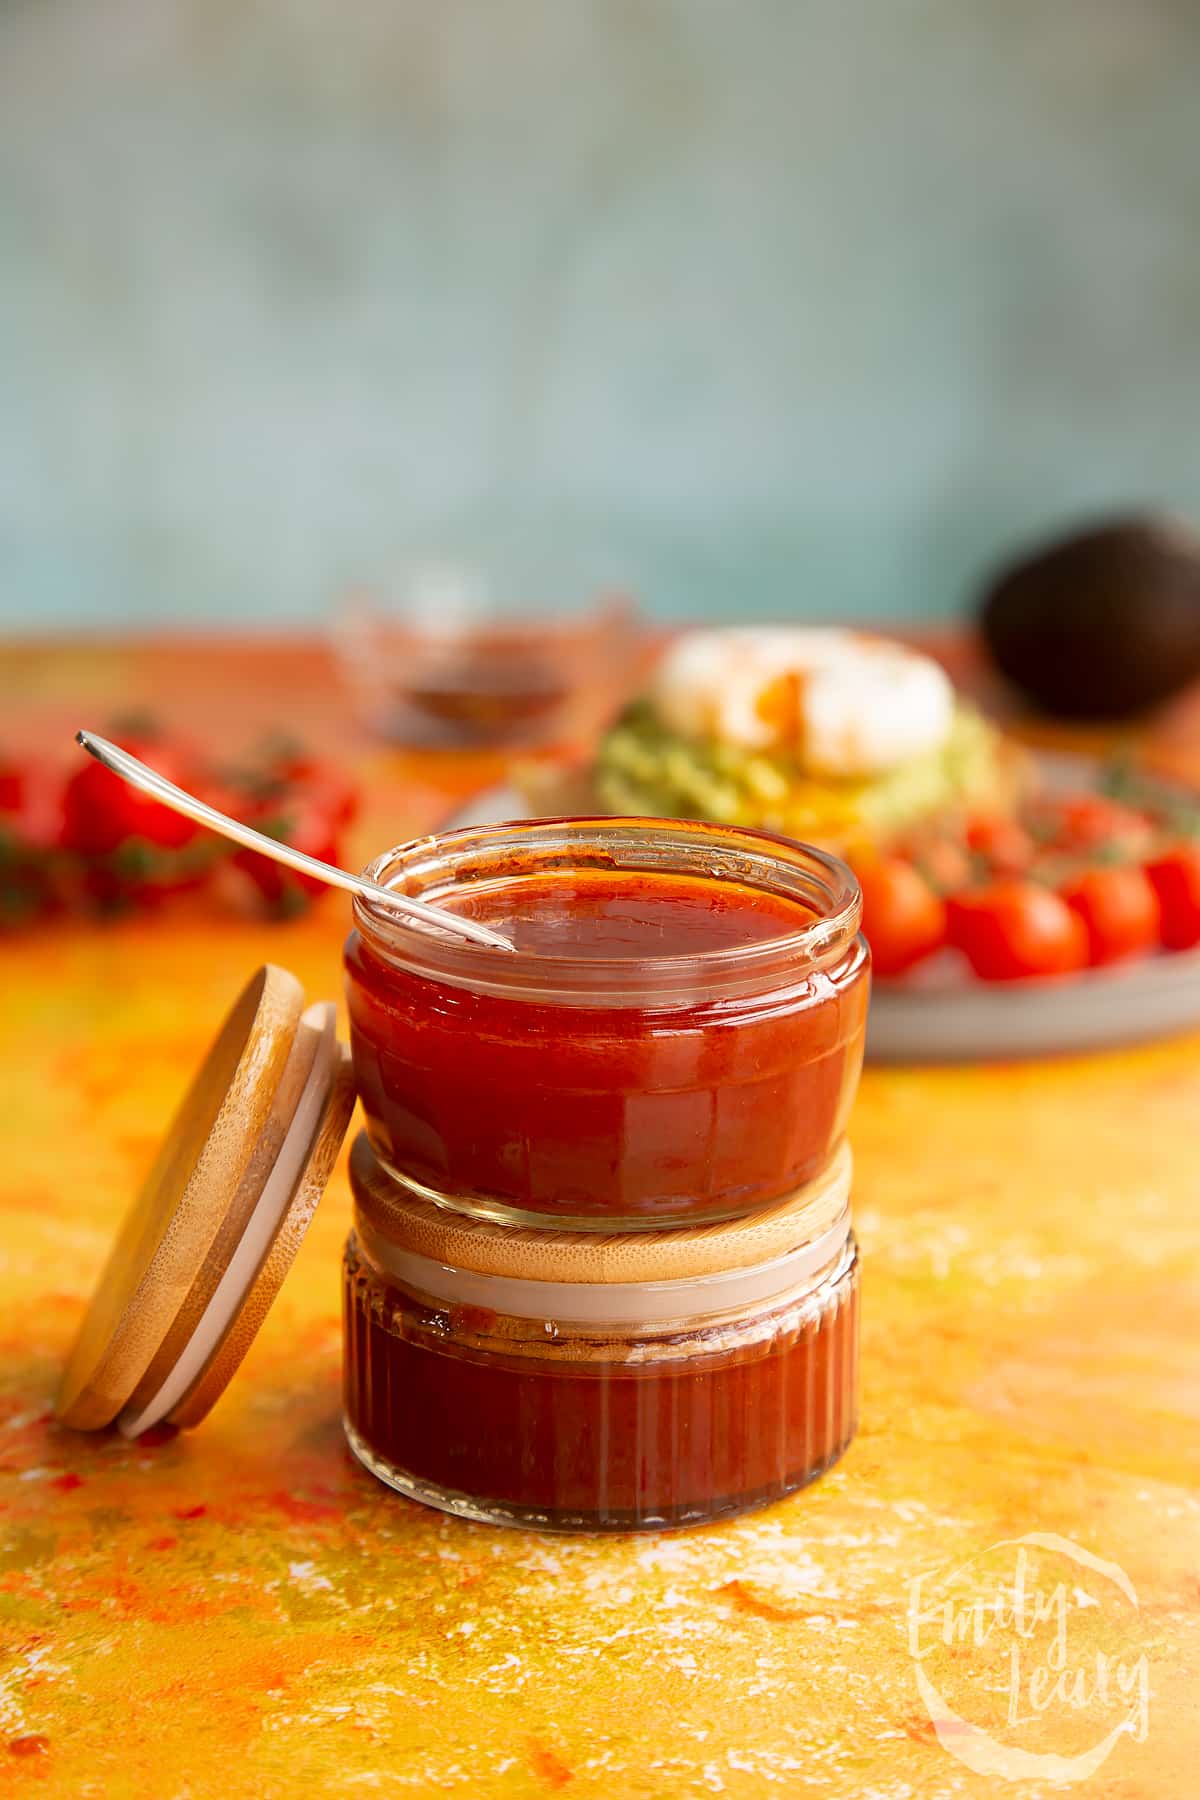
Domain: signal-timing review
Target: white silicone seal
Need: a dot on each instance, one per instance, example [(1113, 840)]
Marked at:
[(651, 1303)]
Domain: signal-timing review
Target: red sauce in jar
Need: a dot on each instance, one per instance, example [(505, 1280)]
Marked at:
[(604, 913), (583, 1107), (499, 1419)]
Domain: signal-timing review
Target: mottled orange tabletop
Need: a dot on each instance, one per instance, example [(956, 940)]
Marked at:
[(242, 1611)]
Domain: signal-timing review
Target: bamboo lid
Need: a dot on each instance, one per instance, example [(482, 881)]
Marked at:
[(407, 1222), (204, 1247)]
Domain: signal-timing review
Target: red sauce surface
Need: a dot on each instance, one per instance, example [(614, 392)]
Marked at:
[(597, 1444), (602, 913), (653, 1114)]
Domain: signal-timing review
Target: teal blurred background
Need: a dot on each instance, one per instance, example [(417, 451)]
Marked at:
[(803, 309)]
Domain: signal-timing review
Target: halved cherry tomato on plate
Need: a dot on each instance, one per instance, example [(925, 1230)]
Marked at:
[(942, 859), (1175, 877), (1010, 930), (903, 918), (1119, 909), (1003, 845), (1091, 822)]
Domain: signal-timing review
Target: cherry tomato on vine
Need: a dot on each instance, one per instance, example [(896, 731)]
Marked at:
[(101, 812), (308, 821), (286, 770), (14, 782)]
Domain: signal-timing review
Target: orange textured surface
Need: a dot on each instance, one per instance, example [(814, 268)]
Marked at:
[(241, 1611)]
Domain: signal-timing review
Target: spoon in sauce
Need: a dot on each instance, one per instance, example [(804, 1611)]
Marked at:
[(140, 775)]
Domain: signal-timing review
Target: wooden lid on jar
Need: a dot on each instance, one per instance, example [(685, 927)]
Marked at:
[(207, 1242), (405, 1221)]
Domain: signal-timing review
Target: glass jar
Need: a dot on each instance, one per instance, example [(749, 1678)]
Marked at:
[(583, 1082), (533, 1397)]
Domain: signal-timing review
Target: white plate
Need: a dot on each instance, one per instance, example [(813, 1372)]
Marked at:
[(941, 1014)]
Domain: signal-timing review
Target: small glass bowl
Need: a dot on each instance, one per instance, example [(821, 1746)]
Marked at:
[(496, 643)]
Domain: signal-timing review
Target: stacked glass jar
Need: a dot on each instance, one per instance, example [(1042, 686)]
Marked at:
[(602, 1274)]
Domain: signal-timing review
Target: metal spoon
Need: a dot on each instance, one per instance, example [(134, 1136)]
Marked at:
[(140, 775)]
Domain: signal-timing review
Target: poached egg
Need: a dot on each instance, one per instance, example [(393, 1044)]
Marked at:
[(843, 704)]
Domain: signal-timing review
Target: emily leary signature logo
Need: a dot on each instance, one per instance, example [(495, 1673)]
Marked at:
[(1024, 1659)]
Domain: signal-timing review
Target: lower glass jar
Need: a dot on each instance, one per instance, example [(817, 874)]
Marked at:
[(543, 1387)]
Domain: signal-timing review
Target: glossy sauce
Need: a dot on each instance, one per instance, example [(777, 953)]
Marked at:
[(600, 914), (628, 1114), (499, 1418)]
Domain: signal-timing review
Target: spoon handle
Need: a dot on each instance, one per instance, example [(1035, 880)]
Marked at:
[(140, 775)]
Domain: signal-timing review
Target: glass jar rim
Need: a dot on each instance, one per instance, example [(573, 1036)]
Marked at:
[(782, 866)]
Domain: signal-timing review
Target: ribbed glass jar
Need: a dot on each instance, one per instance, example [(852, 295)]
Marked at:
[(590, 1090), (597, 1406)]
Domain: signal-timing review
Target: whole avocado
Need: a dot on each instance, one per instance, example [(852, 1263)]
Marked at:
[(1101, 624)]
